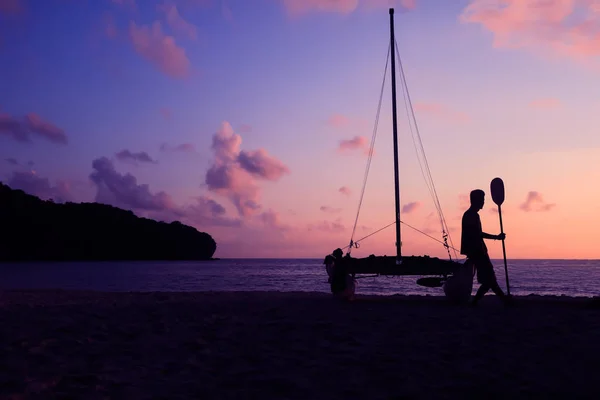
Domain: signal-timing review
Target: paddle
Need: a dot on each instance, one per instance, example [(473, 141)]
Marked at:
[(497, 189)]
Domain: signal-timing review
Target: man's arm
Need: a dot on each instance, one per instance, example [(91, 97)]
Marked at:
[(494, 237)]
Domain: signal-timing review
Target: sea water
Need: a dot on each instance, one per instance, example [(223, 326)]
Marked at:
[(543, 277)]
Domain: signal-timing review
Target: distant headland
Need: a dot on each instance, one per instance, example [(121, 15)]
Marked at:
[(32, 229)]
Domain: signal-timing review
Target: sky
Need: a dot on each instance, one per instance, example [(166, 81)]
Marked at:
[(251, 119)]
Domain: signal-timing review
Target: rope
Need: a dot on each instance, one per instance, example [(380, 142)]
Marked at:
[(356, 244), (431, 188), (370, 157), (428, 179)]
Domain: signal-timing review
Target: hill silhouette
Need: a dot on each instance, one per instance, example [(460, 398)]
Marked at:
[(34, 229)]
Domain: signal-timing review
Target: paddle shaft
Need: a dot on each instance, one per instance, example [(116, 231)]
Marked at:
[(504, 250)]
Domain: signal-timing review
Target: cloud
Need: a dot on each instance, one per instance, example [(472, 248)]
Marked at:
[(326, 226), (545, 103), (356, 143), (330, 210), (110, 27), (31, 183), (21, 129), (345, 190), (128, 156), (260, 164), (234, 172), (441, 111), (206, 212), (176, 21), (271, 219), (338, 121), (125, 3), (567, 28), (226, 12), (159, 49), (245, 128), (13, 7), (410, 207), (298, 8), (183, 148), (166, 113), (535, 202), (123, 190), (12, 161)]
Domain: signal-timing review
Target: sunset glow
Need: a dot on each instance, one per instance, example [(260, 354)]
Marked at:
[(252, 120)]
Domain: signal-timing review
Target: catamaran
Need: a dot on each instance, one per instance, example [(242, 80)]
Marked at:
[(455, 277)]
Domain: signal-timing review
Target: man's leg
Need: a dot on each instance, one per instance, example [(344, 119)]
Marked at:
[(483, 289)]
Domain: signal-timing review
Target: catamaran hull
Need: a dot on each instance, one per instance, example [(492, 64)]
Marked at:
[(455, 278), (411, 265)]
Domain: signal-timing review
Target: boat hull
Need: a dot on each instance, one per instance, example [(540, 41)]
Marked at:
[(411, 265)]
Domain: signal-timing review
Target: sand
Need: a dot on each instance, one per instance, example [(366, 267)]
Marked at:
[(293, 346)]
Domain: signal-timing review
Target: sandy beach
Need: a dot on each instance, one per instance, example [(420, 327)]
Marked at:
[(256, 345)]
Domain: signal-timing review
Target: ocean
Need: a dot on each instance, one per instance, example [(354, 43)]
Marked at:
[(542, 277)]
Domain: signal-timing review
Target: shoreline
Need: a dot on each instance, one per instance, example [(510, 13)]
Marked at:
[(293, 345)]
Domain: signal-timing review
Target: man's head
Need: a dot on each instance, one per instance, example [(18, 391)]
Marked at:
[(477, 198)]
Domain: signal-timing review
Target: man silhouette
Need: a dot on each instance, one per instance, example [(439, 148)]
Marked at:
[(473, 246)]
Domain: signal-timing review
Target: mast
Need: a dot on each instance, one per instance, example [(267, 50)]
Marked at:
[(395, 126)]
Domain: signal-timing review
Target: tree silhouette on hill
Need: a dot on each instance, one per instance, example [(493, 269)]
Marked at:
[(34, 229)]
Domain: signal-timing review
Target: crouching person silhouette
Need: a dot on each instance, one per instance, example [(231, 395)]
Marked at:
[(343, 285)]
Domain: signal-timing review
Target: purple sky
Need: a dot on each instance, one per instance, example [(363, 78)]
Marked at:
[(250, 120)]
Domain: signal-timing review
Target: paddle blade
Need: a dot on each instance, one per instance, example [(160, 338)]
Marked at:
[(497, 189)]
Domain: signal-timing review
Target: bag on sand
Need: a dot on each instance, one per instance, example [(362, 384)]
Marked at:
[(458, 288)]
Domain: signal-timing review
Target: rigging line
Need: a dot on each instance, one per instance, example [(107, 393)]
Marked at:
[(402, 222), (370, 157), (436, 200), (404, 92)]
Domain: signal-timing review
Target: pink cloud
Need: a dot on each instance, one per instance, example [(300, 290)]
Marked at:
[(260, 164), (234, 171), (21, 129), (159, 49), (562, 27), (245, 128), (441, 111), (125, 3), (11, 6), (326, 226), (338, 121), (271, 219), (301, 7), (535, 202), (345, 190), (184, 148), (410, 207), (330, 210), (140, 157), (356, 143), (298, 8), (176, 21), (226, 12), (166, 113), (545, 103), (110, 27)]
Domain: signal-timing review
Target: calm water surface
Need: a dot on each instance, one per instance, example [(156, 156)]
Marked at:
[(554, 277)]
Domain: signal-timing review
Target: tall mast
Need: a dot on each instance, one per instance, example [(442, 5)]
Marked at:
[(395, 126)]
